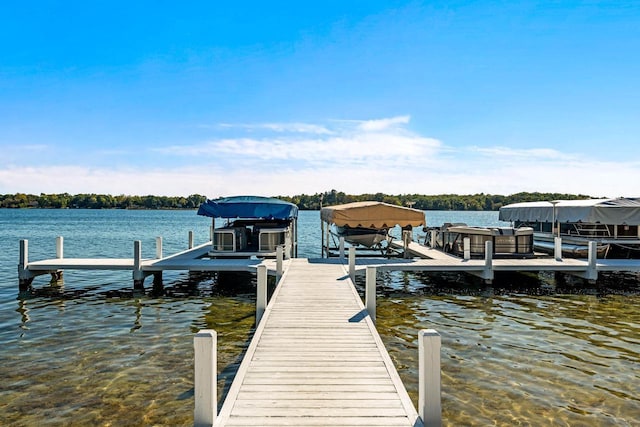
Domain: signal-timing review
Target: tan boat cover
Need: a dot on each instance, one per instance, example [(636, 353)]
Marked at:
[(372, 215)]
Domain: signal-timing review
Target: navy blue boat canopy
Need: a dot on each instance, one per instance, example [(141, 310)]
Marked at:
[(249, 207)]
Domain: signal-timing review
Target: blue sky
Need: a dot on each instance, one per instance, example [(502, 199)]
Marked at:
[(282, 98)]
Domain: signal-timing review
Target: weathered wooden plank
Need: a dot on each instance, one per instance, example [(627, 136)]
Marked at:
[(372, 411), (292, 395), (318, 388), (326, 404), (315, 360), (319, 363), (278, 380), (327, 421), (339, 369)]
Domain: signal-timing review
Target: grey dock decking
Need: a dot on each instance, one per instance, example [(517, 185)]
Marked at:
[(194, 259), (317, 360)]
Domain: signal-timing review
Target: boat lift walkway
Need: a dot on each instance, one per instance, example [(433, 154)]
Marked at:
[(317, 359)]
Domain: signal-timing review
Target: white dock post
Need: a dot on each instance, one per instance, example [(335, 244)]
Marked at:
[(261, 297), (279, 259), (24, 276), (59, 247), (341, 249), (466, 244), (592, 271), (429, 397), (557, 248), (24, 254), (138, 274), (487, 273), (159, 247), (352, 263), (434, 234), (205, 381), (190, 239), (370, 292)]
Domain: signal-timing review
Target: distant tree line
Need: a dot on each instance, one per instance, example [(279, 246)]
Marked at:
[(471, 202), (446, 202), (99, 201)]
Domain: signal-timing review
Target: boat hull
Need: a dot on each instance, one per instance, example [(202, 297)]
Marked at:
[(368, 237), (571, 247)]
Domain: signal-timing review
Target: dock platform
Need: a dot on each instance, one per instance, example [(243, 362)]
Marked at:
[(425, 259), (317, 359)]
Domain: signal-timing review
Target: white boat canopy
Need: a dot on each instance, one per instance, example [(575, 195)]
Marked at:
[(372, 215), (605, 211)]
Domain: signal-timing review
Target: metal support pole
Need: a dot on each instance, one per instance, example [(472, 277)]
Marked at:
[(370, 292), (205, 380), (159, 247), (557, 248), (25, 277), (138, 274), (24, 254), (322, 239), (352, 263), (487, 274), (466, 244), (261, 297), (190, 239), (429, 396), (279, 259), (341, 249), (59, 247), (592, 272)]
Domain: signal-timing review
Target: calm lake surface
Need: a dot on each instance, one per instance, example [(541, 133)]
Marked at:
[(528, 350)]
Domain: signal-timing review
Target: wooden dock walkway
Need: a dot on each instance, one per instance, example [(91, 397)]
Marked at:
[(316, 359)]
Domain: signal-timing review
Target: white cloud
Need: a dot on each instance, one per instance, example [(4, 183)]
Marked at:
[(382, 124), (538, 153), (385, 157), (377, 143), (281, 127)]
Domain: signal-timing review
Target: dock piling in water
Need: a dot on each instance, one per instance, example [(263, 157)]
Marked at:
[(25, 277), (370, 292), (138, 274), (205, 377), (59, 247), (352, 263), (261, 293), (159, 247), (429, 396)]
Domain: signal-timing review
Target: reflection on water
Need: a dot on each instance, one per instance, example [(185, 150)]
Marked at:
[(97, 356), (521, 355)]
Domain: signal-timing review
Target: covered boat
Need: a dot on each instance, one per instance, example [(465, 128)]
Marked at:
[(507, 242), (368, 223), (253, 226), (614, 224)]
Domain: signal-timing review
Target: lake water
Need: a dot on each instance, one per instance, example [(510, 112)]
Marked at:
[(528, 350)]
